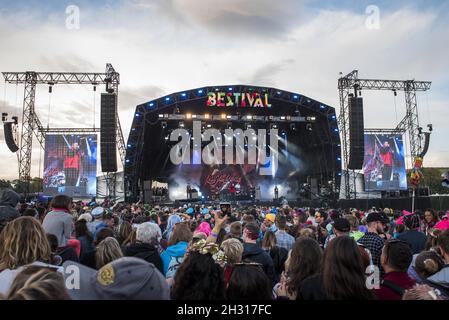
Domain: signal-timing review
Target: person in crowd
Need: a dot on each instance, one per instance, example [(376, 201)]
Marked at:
[(235, 231), (425, 264), (310, 232), (415, 238), (432, 240), (59, 220), (107, 251), (396, 258), (173, 256), (172, 221), (311, 216), (248, 281), (124, 229), (148, 235), (342, 274), (278, 254), (97, 214), (233, 250), (89, 258), (269, 223), (126, 278), (304, 262), (84, 237), (355, 233), (8, 204), (341, 227), (252, 252), (430, 220), (371, 240), (204, 227), (107, 221), (200, 275), (321, 218), (440, 280), (23, 242), (65, 253), (283, 239), (38, 283)]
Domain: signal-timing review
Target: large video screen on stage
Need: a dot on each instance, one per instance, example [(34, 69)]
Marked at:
[(384, 163), (70, 165)]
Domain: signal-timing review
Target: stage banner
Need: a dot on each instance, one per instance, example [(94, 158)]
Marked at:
[(384, 163), (70, 165)]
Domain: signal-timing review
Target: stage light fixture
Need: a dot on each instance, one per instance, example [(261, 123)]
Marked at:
[(181, 124), (223, 116), (206, 116), (183, 94), (273, 126), (189, 116), (228, 117), (288, 118), (249, 117), (161, 115), (309, 127), (164, 124), (293, 126), (282, 117), (230, 89), (194, 116), (166, 138), (167, 99), (200, 91), (209, 125)]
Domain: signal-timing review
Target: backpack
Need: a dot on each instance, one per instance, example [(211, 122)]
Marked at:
[(394, 287)]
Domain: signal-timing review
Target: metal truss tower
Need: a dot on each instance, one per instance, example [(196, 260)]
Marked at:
[(32, 125), (351, 85)]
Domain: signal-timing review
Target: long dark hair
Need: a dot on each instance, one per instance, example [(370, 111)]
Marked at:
[(305, 261), (198, 278), (248, 281), (343, 272), (82, 230)]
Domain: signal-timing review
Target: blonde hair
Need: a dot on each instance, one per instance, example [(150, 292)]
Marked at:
[(108, 250), (38, 283), (23, 241), (233, 250)]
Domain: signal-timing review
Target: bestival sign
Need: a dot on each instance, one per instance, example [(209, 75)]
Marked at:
[(238, 99)]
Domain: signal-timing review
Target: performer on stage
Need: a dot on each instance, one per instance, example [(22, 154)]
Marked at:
[(189, 191), (276, 192), (72, 164), (386, 154), (232, 190)]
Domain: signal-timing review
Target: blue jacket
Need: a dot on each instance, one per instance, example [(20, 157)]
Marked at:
[(172, 258)]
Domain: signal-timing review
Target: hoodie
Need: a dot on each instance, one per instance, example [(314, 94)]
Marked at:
[(8, 212), (146, 252), (441, 279), (173, 257), (254, 253)]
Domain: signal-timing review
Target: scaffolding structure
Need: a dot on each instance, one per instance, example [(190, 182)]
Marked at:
[(31, 125), (350, 85)]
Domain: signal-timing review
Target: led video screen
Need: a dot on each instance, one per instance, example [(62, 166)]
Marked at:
[(384, 162), (70, 165)]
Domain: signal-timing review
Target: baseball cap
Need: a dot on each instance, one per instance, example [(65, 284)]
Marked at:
[(98, 211), (374, 217), (342, 225), (126, 278)]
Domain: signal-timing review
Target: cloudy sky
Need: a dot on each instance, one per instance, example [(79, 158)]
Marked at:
[(163, 46)]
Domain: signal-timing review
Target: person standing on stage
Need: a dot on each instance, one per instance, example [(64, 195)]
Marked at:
[(189, 191), (386, 154), (276, 192)]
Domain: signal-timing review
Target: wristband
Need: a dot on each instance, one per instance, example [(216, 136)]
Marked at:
[(213, 234)]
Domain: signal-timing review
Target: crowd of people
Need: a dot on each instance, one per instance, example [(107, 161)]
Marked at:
[(76, 250)]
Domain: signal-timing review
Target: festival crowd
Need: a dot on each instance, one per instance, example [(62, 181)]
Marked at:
[(78, 250)]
